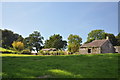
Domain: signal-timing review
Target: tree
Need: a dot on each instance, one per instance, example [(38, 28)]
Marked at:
[(55, 41), (112, 38), (34, 40), (20, 38), (74, 43), (8, 37), (0, 38), (100, 34), (95, 35), (17, 45), (89, 40), (118, 39)]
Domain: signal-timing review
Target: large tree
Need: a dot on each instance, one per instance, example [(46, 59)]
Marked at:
[(55, 41), (20, 38), (74, 43), (95, 35), (112, 38), (34, 40), (8, 37), (100, 34), (0, 37), (118, 39)]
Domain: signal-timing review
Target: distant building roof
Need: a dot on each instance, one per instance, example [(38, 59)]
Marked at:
[(95, 43), (49, 49)]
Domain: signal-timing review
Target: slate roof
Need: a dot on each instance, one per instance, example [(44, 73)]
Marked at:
[(95, 43)]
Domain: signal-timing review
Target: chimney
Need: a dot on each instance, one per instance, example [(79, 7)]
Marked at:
[(107, 38)]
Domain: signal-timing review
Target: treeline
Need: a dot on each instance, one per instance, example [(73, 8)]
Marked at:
[(11, 40)]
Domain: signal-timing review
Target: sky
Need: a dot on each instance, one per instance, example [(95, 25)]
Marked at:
[(64, 18)]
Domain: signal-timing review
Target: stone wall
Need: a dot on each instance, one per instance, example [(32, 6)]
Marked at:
[(107, 48), (83, 50), (94, 50)]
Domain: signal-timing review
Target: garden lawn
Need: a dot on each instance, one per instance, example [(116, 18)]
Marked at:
[(65, 66)]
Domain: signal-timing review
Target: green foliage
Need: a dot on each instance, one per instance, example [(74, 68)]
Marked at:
[(41, 52), (34, 40), (74, 43), (95, 35), (118, 39), (0, 38), (51, 52), (3, 50), (77, 52), (112, 38), (61, 52), (25, 51), (55, 41), (8, 37), (18, 45), (20, 38), (90, 40), (46, 53), (100, 34), (65, 66)]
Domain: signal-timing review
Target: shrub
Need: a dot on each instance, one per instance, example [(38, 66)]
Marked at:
[(54, 52), (26, 51), (17, 45), (77, 52), (57, 52), (46, 53), (51, 52), (61, 52), (41, 52)]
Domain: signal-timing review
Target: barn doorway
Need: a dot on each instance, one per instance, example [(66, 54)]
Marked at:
[(89, 50)]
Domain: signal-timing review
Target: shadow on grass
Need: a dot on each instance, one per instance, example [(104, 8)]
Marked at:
[(70, 66)]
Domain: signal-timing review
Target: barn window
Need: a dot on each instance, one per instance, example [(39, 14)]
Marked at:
[(89, 50)]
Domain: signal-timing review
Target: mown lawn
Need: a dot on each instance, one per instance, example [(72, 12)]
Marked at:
[(66, 66)]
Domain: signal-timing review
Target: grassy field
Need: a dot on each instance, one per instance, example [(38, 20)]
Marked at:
[(65, 66), (6, 50)]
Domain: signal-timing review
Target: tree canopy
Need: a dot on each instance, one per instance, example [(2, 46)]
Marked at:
[(95, 35), (112, 38), (74, 43), (8, 37), (34, 40), (55, 41), (118, 39), (100, 34)]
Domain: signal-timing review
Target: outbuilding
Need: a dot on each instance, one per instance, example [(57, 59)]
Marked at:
[(97, 47)]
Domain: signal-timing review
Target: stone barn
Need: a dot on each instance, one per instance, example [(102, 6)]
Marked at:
[(97, 46)]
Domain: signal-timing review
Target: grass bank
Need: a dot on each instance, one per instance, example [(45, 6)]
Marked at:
[(64, 66)]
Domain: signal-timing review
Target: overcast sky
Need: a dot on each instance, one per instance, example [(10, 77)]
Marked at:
[(62, 18)]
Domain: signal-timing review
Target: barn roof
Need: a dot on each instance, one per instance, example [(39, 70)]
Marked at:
[(95, 43)]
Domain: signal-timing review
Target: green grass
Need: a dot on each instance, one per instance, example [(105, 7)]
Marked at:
[(64, 66), (6, 50)]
